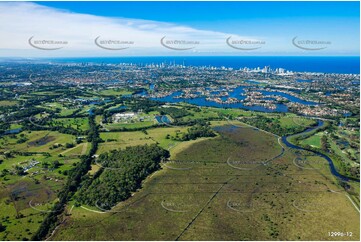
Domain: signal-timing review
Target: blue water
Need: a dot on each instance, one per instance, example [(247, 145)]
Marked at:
[(252, 82), (91, 112), (307, 81), (162, 119), (236, 93), (13, 131), (201, 101), (326, 64), (120, 108), (329, 160), (141, 92), (289, 97), (110, 82)]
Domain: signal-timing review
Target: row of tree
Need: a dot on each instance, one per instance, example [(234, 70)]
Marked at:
[(273, 125), (74, 179), (198, 130)]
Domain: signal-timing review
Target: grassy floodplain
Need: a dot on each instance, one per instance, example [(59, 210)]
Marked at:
[(206, 193), (211, 188)]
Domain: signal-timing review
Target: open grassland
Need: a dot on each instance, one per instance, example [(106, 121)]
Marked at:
[(179, 147), (24, 203), (122, 140), (66, 163), (98, 119), (116, 140), (15, 126), (64, 110), (25, 199), (130, 125), (314, 140), (115, 92), (232, 112), (234, 144), (36, 141), (231, 194), (291, 120), (75, 123), (80, 149), (8, 103)]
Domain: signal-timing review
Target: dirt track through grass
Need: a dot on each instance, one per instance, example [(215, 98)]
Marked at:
[(205, 190), (208, 202)]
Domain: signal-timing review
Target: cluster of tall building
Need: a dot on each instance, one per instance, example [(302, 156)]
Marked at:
[(267, 69)]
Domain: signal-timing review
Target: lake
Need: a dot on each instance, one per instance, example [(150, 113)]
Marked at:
[(236, 93)]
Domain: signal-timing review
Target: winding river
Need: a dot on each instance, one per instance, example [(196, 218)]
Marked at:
[(329, 160)]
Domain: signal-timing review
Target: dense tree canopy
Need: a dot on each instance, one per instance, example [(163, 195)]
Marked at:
[(133, 165)]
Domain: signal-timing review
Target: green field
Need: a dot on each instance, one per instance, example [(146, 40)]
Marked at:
[(242, 184), (26, 199), (134, 125), (64, 109), (292, 120), (37, 141), (124, 139), (8, 103), (115, 92), (75, 123), (233, 143), (314, 140), (206, 193), (24, 205)]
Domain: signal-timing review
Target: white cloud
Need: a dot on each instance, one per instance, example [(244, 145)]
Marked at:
[(19, 21)]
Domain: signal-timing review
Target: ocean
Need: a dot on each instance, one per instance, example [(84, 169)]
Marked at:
[(324, 64)]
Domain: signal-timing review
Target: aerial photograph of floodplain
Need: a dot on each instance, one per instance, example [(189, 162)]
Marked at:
[(180, 121)]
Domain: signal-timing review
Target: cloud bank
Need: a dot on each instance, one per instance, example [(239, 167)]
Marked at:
[(50, 27), (32, 30)]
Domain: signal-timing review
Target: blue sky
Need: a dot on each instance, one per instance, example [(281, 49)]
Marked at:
[(227, 16), (275, 23), (190, 12)]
